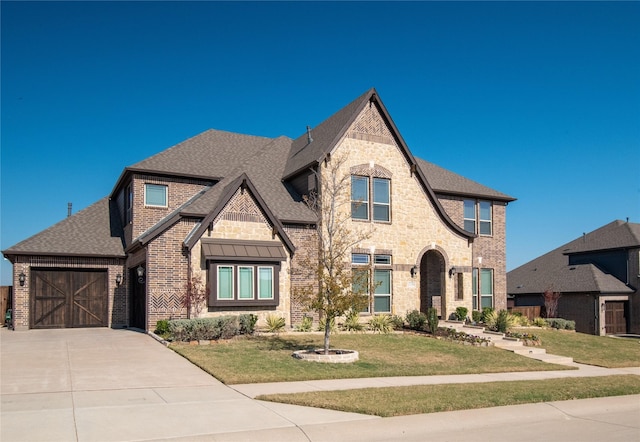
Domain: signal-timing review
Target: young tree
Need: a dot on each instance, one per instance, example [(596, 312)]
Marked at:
[(195, 296), (338, 289), (551, 302)]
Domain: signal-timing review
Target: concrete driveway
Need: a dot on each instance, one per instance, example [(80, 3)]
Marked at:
[(119, 385)]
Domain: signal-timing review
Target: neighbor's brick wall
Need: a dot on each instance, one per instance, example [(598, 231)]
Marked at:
[(117, 305), (580, 308)]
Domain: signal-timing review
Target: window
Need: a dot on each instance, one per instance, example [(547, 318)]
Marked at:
[(477, 215), (265, 282), (359, 197), (470, 216), (380, 198), (225, 282), (155, 195), (243, 284), (382, 283), (460, 287), (485, 218), (486, 288), (482, 285)]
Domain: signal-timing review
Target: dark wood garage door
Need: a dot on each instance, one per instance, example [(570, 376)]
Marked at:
[(616, 321), (68, 298)]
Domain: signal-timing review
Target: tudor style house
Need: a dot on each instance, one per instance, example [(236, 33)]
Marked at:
[(597, 276), (229, 208)]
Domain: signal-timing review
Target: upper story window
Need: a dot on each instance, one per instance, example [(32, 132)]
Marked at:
[(478, 217), (370, 198), (155, 195)]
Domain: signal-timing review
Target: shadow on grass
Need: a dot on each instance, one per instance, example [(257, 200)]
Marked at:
[(276, 343)]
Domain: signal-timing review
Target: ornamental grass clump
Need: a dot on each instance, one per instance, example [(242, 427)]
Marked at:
[(306, 325), (275, 323), (381, 324), (352, 321)]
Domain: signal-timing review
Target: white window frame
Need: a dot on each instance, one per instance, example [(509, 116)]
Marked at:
[(486, 295), (241, 286), (147, 186), (375, 203), (485, 222)]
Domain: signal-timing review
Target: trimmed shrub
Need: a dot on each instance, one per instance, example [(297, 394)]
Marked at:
[(162, 327), (224, 327), (381, 324), (432, 320), (416, 320), (540, 322), (476, 316), (461, 313), (561, 324), (397, 322), (247, 323)]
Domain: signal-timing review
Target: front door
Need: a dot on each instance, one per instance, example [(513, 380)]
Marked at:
[(138, 301), (615, 318)]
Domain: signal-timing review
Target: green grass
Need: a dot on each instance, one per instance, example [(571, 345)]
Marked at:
[(603, 351), (269, 358), (399, 401)]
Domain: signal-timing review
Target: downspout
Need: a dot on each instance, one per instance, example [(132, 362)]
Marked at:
[(188, 295)]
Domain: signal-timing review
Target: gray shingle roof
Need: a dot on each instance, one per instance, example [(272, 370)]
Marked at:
[(446, 182), (325, 136), (210, 154), (552, 270), (94, 231)]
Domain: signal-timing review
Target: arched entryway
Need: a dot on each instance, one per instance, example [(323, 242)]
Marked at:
[(432, 281)]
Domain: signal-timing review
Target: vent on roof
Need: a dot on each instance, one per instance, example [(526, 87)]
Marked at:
[(309, 139), (69, 209)]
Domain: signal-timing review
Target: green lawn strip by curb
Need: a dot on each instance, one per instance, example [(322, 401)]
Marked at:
[(399, 401)]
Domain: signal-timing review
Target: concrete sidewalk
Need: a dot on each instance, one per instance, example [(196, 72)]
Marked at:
[(116, 385), (254, 390)]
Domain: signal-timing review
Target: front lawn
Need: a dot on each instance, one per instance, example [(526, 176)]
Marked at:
[(258, 359), (603, 351)]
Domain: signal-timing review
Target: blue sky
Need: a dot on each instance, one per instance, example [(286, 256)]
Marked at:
[(538, 100)]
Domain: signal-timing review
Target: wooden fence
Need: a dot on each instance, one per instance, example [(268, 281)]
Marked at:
[(531, 312)]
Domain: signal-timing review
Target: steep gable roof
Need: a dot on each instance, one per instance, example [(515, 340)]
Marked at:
[(552, 270), (325, 136), (242, 181), (94, 231), (444, 181)]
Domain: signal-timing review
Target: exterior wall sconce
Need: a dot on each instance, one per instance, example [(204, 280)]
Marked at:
[(118, 279), (140, 273), (414, 271), (22, 278), (452, 271)]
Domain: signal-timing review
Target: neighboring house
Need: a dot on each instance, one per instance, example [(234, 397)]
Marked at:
[(229, 208), (597, 276)]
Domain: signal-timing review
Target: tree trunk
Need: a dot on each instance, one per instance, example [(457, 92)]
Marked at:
[(327, 332)]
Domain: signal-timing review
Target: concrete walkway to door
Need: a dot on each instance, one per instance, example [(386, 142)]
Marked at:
[(91, 385)]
